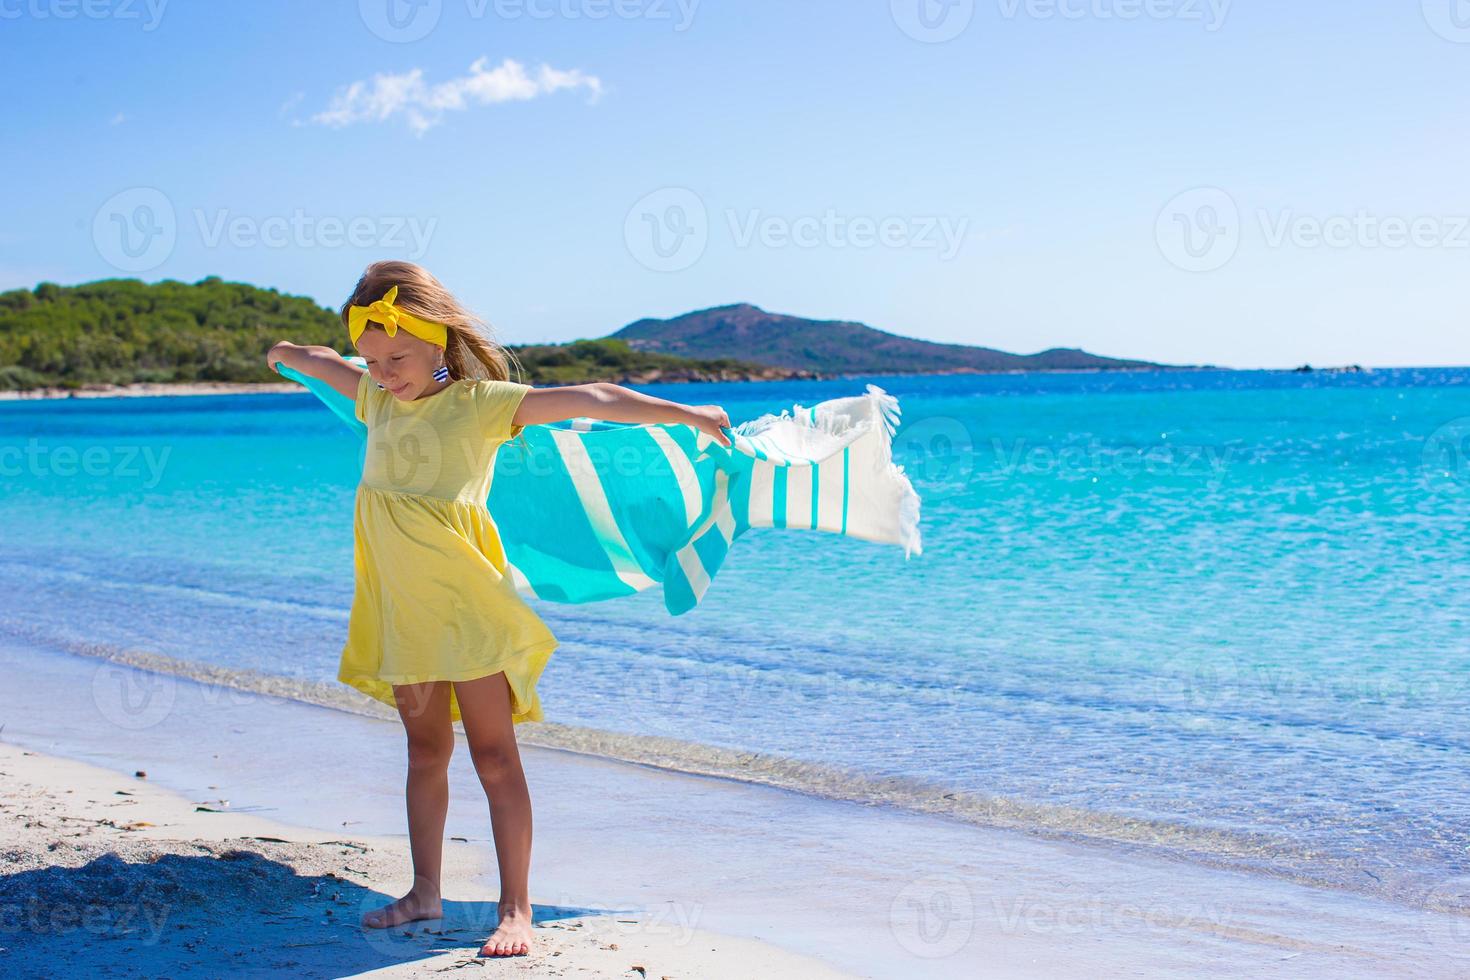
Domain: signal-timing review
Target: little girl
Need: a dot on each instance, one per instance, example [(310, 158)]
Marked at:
[(437, 628)]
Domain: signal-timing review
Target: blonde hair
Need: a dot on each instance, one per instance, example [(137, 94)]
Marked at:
[(470, 351)]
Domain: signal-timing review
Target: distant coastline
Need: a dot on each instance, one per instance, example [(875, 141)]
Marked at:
[(146, 389), (156, 389), (151, 389), (107, 338)]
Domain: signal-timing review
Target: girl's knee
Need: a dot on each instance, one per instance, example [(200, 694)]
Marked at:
[(430, 753), (495, 761)]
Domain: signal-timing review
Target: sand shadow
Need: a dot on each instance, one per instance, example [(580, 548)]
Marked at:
[(236, 911)]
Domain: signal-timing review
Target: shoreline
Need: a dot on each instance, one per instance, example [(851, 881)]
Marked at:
[(155, 389), (1218, 849), (855, 886)]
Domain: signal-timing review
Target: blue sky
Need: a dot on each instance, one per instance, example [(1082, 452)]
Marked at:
[(1196, 181)]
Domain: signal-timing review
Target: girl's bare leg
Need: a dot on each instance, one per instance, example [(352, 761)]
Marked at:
[(424, 709), (484, 705)]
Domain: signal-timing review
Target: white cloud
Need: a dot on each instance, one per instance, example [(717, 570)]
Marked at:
[(118, 119), (423, 106)]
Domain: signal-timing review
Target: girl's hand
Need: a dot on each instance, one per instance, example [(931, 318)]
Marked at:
[(273, 357), (711, 419)]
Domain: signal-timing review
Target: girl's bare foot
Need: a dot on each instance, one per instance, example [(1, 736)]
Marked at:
[(512, 937), (410, 908)]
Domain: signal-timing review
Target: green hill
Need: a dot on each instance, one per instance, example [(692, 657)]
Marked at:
[(123, 331), (837, 347)]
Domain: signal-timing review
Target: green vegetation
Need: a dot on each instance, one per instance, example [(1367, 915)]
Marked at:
[(123, 331), (598, 360)]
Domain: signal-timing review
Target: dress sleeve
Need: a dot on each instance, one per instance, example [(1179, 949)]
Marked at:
[(496, 403), (364, 392)]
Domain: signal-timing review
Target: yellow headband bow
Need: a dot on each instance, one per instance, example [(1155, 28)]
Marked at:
[(392, 317)]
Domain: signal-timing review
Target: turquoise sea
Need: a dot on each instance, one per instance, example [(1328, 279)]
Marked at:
[(1220, 615)]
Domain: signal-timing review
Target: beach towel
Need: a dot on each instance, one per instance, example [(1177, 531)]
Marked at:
[(591, 510)]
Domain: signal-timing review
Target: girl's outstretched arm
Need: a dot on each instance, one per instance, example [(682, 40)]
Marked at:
[(614, 403), (317, 362)]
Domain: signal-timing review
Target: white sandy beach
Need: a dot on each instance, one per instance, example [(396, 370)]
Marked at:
[(106, 874)]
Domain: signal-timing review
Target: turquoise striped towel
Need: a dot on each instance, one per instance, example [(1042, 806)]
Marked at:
[(591, 510)]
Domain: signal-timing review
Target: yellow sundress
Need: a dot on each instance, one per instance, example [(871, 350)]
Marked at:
[(433, 600)]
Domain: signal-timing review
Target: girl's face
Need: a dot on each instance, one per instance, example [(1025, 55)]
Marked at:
[(403, 364)]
